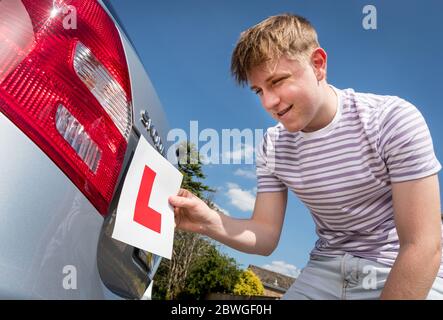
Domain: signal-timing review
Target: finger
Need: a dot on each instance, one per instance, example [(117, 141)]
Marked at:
[(176, 220), (186, 193), (181, 202), (182, 192)]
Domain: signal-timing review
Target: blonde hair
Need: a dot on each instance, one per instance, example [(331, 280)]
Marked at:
[(285, 34)]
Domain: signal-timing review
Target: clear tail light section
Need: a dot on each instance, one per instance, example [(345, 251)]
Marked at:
[(68, 88), (105, 89), (74, 133)]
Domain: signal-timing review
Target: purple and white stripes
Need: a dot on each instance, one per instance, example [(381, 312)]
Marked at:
[(343, 172)]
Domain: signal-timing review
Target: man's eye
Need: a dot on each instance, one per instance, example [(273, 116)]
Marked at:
[(277, 81), (258, 92)]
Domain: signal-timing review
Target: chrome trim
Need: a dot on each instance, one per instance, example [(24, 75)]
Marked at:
[(154, 134)]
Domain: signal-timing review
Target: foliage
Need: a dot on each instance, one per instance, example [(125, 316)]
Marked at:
[(249, 284), (170, 278), (188, 247), (214, 272), (189, 164)]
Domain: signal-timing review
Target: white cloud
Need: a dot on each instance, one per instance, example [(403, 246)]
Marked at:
[(241, 153), (250, 174), (241, 199), (224, 211), (283, 267)]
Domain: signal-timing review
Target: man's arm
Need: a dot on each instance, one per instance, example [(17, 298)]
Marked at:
[(418, 221), (258, 235)]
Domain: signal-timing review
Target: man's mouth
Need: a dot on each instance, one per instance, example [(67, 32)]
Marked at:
[(282, 113)]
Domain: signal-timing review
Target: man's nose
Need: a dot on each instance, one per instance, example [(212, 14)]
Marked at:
[(270, 100)]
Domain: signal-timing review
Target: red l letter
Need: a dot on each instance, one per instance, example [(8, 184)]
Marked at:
[(143, 214)]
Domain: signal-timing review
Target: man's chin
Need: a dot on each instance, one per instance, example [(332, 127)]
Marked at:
[(291, 129)]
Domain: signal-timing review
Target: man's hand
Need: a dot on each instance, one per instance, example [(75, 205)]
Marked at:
[(191, 213), (259, 234)]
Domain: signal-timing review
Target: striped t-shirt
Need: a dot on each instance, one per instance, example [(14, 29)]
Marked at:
[(343, 172)]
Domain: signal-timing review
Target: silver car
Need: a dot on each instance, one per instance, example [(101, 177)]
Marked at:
[(74, 101)]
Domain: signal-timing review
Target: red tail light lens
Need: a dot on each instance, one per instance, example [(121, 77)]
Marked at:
[(68, 89)]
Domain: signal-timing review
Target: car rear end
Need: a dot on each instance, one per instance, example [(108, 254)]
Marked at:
[(74, 100)]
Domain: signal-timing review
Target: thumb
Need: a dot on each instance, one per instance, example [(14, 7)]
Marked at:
[(181, 202)]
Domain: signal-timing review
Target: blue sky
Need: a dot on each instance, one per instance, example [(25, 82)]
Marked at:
[(186, 48)]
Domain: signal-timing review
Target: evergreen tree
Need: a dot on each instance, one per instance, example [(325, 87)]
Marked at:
[(188, 247)]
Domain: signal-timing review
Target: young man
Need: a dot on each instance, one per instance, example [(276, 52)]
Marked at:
[(363, 164)]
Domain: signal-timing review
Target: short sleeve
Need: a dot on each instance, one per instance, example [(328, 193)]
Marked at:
[(267, 181), (405, 142)]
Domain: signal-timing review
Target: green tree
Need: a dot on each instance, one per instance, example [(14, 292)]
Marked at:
[(214, 272), (249, 284), (188, 247), (190, 165)]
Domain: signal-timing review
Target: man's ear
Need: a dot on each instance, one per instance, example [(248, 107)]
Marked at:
[(319, 62)]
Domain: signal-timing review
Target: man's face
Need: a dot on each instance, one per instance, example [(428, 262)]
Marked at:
[(289, 91)]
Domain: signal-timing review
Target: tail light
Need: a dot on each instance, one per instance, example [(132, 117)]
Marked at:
[(68, 89)]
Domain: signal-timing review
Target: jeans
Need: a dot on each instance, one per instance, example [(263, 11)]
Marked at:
[(345, 277)]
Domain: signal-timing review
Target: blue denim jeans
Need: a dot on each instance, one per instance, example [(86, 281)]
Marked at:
[(345, 277)]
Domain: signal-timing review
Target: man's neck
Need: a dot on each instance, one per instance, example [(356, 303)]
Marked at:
[(327, 111)]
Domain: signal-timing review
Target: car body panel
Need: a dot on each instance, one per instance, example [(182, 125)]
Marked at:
[(51, 236), (46, 225)]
